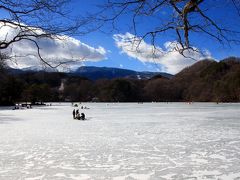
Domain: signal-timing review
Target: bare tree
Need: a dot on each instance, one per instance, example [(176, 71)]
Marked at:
[(36, 19), (181, 18)]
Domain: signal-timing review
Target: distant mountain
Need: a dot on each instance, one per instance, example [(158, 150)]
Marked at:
[(14, 71), (30, 69), (95, 73)]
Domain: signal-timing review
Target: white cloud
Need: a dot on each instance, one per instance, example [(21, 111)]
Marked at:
[(64, 48), (169, 59)]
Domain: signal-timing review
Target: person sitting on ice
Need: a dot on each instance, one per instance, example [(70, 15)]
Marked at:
[(78, 116), (82, 116)]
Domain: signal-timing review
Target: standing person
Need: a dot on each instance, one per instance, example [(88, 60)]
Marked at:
[(74, 114), (77, 114)]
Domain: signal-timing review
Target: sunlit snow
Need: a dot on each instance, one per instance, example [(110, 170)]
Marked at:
[(121, 141)]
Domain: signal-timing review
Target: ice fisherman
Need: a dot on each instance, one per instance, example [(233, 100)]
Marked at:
[(82, 116), (78, 116)]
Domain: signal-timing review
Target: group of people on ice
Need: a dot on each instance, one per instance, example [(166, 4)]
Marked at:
[(76, 115)]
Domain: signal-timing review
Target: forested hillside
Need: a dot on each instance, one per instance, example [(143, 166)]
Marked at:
[(204, 81)]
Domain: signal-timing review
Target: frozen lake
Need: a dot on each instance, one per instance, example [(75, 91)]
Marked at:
[(121, 141)]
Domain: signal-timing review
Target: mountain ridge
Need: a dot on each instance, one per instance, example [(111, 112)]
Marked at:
[(95, 73)]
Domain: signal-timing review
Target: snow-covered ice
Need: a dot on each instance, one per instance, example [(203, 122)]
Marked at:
[(121, 141)]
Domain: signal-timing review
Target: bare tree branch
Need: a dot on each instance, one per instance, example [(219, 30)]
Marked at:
[(37, 19), (184, 17)]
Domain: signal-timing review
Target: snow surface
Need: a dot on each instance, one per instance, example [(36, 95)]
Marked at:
[(121, 141)]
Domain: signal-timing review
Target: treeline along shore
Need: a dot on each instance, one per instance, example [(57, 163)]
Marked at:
[(205, 81)]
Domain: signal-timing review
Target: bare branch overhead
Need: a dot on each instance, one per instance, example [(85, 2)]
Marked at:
[(179, 17), (36, 19)]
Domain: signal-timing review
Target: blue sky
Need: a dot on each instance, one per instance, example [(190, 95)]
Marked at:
[(224, 14), (115, 54)]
